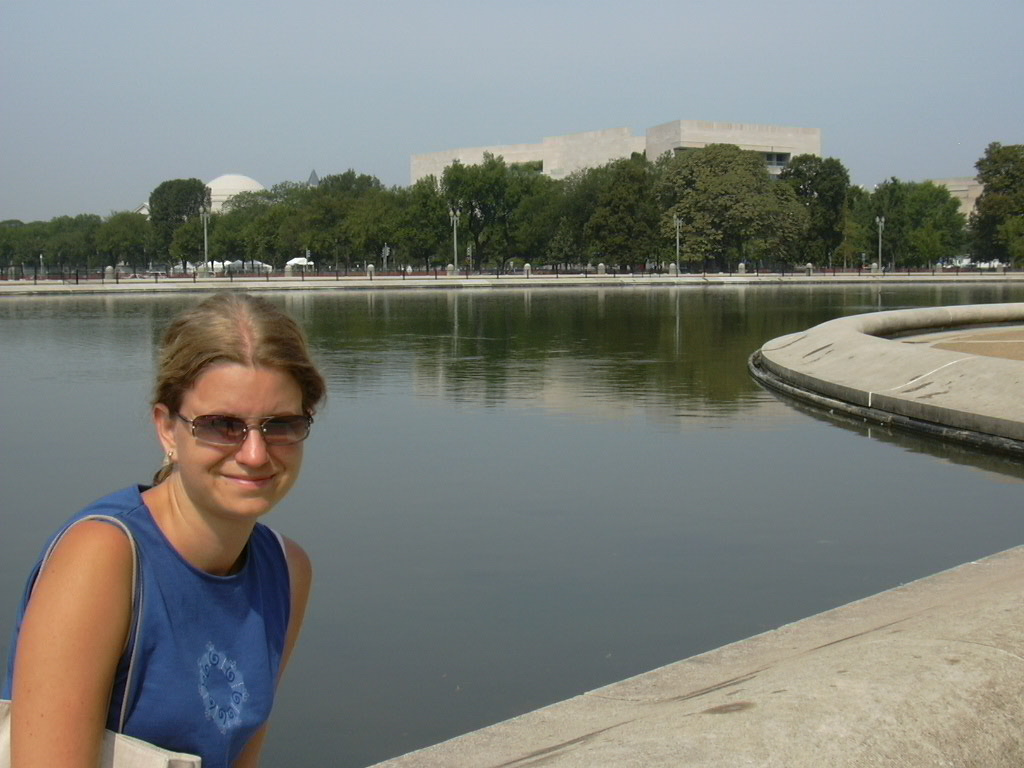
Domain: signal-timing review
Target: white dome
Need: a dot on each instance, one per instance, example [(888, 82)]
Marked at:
[(223, 188)]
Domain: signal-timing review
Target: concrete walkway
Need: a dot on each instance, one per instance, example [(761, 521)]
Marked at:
[(928, 674), (1007, 343), (355, 282)]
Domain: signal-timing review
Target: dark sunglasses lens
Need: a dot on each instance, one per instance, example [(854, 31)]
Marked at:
[(284, 430), (223, 430)]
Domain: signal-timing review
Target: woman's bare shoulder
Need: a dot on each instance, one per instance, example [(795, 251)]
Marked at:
[(300, 567), (96, 545), (74, 630)]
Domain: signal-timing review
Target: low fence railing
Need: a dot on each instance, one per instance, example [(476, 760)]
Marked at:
[(79, 275)]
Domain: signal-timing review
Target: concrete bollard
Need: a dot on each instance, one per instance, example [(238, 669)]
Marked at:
[(742, 268), (450, 270), (673, 270)]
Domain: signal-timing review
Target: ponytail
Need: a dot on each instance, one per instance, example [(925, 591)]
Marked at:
[(166, 469)]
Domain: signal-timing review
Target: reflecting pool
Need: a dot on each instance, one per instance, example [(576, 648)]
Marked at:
[(513, 497)]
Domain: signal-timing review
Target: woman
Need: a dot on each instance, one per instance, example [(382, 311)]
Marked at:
[(224, 595)]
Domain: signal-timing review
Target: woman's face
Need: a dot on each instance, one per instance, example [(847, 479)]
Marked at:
[(235, 481)]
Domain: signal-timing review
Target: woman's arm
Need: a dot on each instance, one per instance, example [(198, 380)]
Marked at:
[(300, 573), (73, 633)]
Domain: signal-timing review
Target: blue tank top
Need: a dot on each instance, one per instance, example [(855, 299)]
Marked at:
[(210, 647)]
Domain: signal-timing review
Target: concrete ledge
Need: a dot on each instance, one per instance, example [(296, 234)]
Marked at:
[(854, 364), (926, 674), (478, 282)]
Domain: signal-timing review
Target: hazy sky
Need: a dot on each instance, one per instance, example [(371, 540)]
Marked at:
[(101, 101)]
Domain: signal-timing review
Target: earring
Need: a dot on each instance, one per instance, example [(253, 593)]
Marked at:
[(170, 457)]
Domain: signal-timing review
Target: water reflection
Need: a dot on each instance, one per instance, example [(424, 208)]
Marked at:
[(999, 467), (516, 496)]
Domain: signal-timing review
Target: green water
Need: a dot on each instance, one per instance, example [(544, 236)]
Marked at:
[(513, 497)]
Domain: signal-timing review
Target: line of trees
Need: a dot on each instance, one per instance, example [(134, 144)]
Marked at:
[(720, 204)]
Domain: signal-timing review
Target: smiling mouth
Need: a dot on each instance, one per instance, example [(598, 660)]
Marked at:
[(250, 480)]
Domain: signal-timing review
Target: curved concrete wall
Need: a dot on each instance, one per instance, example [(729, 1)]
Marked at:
[(854, 360)]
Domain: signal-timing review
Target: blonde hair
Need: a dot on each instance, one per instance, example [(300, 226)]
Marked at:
[(232, 328)]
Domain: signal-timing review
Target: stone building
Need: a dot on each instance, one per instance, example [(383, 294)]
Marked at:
[(223, 188), (560, 156), (965, 190)]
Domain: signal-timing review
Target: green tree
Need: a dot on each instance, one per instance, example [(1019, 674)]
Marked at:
[(1001, 172), (226, 236), (623, 226), (231, 231), (348, 185), (171, 204), (728, 206), (25, 243), (124, 237), (571, 209), (856, 233), (782, 224), (373, 222), (276, 235), (423, 230), (486, 197), (562, 248), (922, 224), (187, 243), (1012, 234), (936, 225), (821, 186), (326, 211), (323, 223), (250, 203), (518, 217), (12, 235), (293, 194), (536, 217), (888, 203), (71, 240)]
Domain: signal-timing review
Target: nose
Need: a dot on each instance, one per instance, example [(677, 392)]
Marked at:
[(253, 450)]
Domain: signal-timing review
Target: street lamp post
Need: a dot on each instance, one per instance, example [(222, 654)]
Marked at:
[(675, 220), (880, 222), (206, 241), (453, 214)]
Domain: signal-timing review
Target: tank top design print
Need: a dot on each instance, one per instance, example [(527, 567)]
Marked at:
[(222, 689)]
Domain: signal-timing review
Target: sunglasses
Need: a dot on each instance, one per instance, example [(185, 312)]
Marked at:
[(231, 430)]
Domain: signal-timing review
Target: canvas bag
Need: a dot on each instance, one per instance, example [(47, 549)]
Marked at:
[(119, 750)]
